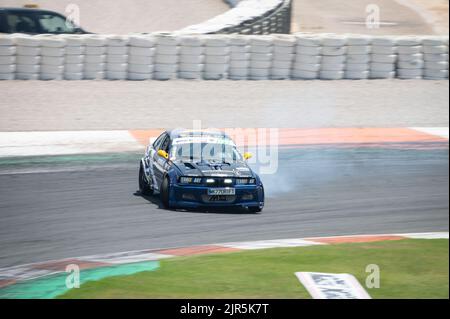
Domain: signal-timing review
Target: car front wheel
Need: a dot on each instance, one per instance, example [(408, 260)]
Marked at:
[(165, 190), (144, 187)]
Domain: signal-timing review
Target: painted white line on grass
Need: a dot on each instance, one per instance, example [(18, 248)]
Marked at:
[(332, 286)]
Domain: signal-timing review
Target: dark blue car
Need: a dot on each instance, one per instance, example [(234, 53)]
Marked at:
[(192, 169)]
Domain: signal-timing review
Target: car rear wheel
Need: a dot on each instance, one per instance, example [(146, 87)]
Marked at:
[(165, 190), (144, 187)]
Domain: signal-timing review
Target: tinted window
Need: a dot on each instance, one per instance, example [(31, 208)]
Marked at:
[(157, 143), (21, 23), (165, 144), (3, 26), (50, 23)]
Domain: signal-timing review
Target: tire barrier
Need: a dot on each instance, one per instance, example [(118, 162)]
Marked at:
[(141, 57), (95, 58), (117, 57), (248, 17), (165, 56), (191, 58)]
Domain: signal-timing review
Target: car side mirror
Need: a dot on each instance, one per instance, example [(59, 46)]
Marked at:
[(248, 156), (163, 153)]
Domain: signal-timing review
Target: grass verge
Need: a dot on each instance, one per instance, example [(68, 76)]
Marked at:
[(410, 268)]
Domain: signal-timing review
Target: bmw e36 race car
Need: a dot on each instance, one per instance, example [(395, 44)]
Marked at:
[(193, 169)]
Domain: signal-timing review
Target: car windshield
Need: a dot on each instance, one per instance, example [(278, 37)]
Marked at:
[(209, 152), (51, 23)]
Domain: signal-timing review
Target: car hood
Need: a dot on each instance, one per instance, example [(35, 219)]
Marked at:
[(205, 168)]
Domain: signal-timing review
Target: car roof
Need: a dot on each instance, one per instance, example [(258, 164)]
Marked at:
[(177, 133), (16, 10)]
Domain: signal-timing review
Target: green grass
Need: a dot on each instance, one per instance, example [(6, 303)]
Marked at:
[(411, 268)]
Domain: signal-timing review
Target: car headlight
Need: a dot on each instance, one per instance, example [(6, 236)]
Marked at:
[(245, 181), (190, 180)]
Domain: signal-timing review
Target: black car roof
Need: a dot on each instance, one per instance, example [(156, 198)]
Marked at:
[(36, 10)]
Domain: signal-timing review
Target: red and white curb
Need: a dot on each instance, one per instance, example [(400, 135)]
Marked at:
[(16, 274), (16, 144)]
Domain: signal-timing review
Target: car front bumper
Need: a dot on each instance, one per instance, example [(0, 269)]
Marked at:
[(193, 196)]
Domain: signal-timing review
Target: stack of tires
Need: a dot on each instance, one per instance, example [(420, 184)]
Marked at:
[(334, 54), (192, 58), (141, 54), (28, 57), (358, 57), (117, 57), (261, 48), (7, 57), (383, 58), (166, 58), (53, 50), (307, 58), (283, 57), (436, 58), (409, 58), (217, 57), (95, 57), (239, 57), (74, 57)]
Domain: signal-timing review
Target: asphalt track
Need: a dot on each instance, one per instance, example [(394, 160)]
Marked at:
[(118, 105), (84, 207), (396, 16)]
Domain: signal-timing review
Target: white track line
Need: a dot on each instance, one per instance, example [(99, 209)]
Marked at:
[(125, 258), (442, 235), (436, 131), (262, 244), (65, 143)]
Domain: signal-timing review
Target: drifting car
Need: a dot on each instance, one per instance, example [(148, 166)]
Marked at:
[(194, 169)]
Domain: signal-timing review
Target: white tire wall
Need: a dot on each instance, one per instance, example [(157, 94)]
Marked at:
[(95, 57), (8, 57), (165, 56)]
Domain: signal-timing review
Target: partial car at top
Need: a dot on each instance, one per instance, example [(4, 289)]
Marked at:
[(192, 169), (32, 20)]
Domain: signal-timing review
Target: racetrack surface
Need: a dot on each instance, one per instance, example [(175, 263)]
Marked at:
[(396, 16), (128, 16), (116, 105), (317, 191)]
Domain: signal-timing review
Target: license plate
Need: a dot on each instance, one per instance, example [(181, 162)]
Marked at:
[(221, 191)]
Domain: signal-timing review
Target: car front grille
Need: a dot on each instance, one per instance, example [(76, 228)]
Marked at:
[(218, 198)]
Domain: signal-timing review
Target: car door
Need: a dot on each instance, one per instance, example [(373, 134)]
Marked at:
[(150, 156), (159, 163)]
